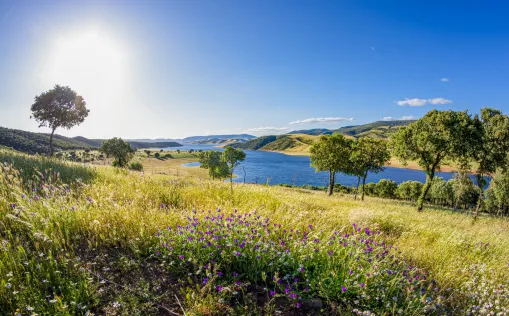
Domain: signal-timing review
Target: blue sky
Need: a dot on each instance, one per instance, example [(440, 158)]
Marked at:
[(170, 69)]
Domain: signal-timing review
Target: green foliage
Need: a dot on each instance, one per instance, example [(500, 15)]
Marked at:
[(409, 190), (120, 150), (437, 136), (368, 156), (157, 155), (442, 192), (379, 129), (386, 189), (59, 107), (211, 160), (136, 166), (331, 153), (232, 157), (497, 195), (465, 192)]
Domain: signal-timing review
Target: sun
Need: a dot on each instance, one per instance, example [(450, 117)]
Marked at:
[(90, 63)]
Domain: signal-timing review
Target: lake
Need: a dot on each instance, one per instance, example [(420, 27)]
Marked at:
[(276, 168)]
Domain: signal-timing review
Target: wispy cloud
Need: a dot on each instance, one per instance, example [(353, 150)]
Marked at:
[(422, 102), (403, 118), (321, 120), (444, 79), (268, 130), (439, 101), (412, 102)]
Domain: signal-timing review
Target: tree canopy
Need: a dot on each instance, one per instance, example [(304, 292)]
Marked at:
[(430, 141), (331, 153), (217, 167), (59, 107), (120, 150), (232, 157)]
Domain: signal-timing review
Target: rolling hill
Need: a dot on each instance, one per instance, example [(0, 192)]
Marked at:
[(298, 142), (33, 143)]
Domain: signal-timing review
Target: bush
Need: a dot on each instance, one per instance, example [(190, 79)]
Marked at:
[(157, 155), (497, 195), (409, 190), (136, 166), (386, 189)]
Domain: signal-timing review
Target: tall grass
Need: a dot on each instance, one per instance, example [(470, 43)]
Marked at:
[(98, 247)]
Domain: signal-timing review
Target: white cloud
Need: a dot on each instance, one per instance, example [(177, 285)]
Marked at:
[(267, 130), (321, 120), (422, 102), (439, 101), (444, 79), (412, 102), (403, 118)]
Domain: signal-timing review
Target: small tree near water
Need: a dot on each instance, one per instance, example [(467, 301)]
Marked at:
[(232, 157)]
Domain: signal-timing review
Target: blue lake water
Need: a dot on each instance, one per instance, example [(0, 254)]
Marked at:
[(276, 168)]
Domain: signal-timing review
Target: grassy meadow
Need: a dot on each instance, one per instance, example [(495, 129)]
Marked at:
[(83, 240)]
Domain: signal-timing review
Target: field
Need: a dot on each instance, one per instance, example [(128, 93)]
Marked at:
[(105, 241)]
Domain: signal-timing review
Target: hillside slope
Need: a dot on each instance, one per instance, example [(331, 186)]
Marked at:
[(298, 142), (33, 143)]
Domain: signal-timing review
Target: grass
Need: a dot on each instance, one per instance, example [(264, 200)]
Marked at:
[(104, 246)]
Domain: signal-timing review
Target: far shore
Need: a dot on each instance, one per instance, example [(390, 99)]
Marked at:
[(394, 162)]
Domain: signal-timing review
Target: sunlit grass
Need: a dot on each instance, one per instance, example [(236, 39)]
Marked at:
[(73, 223)]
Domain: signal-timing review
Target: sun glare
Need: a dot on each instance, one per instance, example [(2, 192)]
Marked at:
[(91, 63)]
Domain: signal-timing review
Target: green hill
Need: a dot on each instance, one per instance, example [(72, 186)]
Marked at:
[(33, 143), (37, 142), (298, 142), (379, 129)]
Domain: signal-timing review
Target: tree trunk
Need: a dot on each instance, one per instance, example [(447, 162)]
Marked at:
[(481, 194), (363, 183), (357, 188), (51, 141), (331, 182), (231, 181), (424, 192)]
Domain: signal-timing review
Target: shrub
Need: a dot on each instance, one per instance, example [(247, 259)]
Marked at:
[(497, 195), (136, 166), (386, 189), (157, 155), (409, 190)]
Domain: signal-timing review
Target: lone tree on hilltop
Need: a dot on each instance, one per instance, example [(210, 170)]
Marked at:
[(331, 153), (59, 107), (119, 149)]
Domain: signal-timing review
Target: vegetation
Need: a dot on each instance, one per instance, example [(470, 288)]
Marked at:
[(368, 155), (33, 143), (232, 157), (216, 165), (120, 150), (127, 243), (437, 136), (59, 107), (331, 154), (136, 166)]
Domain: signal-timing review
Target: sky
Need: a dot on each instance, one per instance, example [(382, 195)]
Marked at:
[(170, 69)]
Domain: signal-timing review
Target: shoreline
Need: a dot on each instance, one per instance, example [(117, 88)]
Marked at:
[(393, 162)]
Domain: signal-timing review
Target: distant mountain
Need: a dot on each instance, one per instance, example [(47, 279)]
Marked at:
[(299, 141), (314, 131), (30, 142), (194, 139)]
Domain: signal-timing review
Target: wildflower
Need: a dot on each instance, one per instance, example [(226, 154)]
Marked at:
[(205, 280), (29, 308), (362, 284), (272, 293), (181, 257), (53, 301), (298, 304), (8, 286), (219, 288), (116, 304), (219, 273), (343, 288), (235, 274)]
